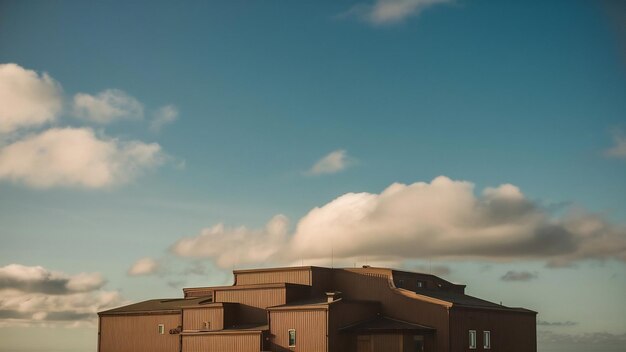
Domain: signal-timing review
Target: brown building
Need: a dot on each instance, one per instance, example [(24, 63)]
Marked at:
[(315, 309)]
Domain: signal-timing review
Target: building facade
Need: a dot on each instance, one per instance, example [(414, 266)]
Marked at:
[(316, 309)]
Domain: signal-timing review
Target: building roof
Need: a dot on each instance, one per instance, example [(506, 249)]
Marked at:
[(463, 300), (159, 306), (382, 324)]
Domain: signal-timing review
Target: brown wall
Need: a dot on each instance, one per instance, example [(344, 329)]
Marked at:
[(394, 303), (138, 333), (193, 319), (252, 302), (241, 342), (295, 276), (387, 343), (342, 314), (310, 325), (510, 331)]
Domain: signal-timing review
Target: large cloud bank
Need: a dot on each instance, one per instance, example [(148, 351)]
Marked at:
[(32, 295), (441, 219)]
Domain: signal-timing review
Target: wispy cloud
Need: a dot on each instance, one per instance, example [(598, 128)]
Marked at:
[(619, 148), (335, 161), (27, 98), (34, 295), (599, 340), (163, 116), (445, 217), (75, 157), (107, 106), (385, 12), (556, 323), (518, 276), (144, 266)]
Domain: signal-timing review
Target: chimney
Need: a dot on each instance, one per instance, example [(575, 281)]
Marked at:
[(332, 296)]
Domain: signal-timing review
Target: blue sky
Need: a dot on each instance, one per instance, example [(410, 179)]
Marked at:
[(158, 121)]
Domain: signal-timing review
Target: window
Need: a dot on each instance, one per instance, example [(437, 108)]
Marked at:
[(472, 339), (161, 329), (420, 284), (292, 337), (207, 325), (487, 340)]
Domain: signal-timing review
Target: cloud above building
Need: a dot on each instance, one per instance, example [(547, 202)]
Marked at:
[(27, 98), (76, 157), (233, 246), (334, 162), (443, 219), (31, 295), (107, 106), (386, 12)]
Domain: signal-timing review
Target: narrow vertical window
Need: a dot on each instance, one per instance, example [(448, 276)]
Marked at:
[(487, 340), (207, 325), (472, 339), (292, 337), (161, 329)]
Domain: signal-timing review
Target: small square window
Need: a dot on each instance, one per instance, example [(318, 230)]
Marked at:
[(487, 340), (292, 337), (207, 325), (472, 339), (161, 329), (420, 284)]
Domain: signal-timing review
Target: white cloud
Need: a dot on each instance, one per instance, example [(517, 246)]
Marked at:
[(382, 12), (235, 246), (36, 295), (75, 157), (441, 219), (41, 280), (26, 98), (165, 115), (107, 106), (334, 162), (144, 266), (619, 149)]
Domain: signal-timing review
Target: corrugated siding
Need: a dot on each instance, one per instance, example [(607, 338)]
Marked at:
[(138, 333), (222, 343), (387, 343), (296, 276), (375, 286), (193, 319), (510, 331), (310, 328), (253, 302)]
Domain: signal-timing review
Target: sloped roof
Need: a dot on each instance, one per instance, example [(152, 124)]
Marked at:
[(156, 306), (463, 300)]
